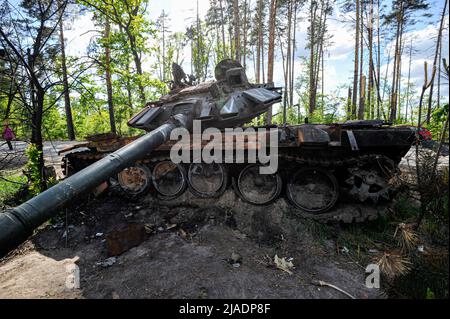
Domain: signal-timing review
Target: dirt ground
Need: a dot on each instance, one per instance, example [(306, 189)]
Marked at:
[(186, 253)]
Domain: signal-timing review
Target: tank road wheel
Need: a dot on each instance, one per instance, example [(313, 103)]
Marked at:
[(313, 190), (207, 180), (169, 179), (135, 180), (256, 188)]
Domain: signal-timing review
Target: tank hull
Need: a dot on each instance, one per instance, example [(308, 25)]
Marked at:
[(351, 160)]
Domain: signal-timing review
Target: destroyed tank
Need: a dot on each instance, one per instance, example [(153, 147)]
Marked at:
[(318, 165)]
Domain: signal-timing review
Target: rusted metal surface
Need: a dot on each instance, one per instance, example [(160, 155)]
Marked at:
[(100, 189), (73, 147), (119, 241)]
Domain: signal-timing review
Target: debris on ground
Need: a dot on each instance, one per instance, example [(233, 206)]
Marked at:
[(183, 234), (236, 258), (323, 283), (284, 264), (171, 226), (202, 257), (107, 262), (119, 241)]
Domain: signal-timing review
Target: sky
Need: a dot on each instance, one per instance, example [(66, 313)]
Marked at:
[(339, 56)]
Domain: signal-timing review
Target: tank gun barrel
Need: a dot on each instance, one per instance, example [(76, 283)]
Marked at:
[(229, 101), (17, 224)]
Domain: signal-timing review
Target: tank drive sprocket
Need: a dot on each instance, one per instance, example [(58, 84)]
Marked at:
[(370, 180)]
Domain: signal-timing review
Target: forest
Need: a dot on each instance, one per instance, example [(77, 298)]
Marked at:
[(47, 94)]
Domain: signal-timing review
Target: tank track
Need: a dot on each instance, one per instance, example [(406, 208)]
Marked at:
[(345, 211)]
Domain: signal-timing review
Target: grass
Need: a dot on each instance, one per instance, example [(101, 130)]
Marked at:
[(10, 186), (412, 274)]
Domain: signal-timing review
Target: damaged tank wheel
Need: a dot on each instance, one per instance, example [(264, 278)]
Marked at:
[(207, 180), (169, 179), (256, 188), (313, 190), (135, 180), (371, 182)]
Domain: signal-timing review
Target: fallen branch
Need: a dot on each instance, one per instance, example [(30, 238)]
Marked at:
[(323, 283)]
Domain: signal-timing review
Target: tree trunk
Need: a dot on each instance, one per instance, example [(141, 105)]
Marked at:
[(362, 98), (322, 79), (349, 103), (399, 79), (378, 61), (198, 47), (270, 56), (237, 31), (138, 64), (285, 75), (11, 92), (397, 61), (361, 65), (436, 62), (356, 64), (291, 85), (438, 101), (245, 27), (408, 88), (69, 120), (36, 136), (259, 49), (287, 79), (112, 121), (223, 30), (163, 48), (312, 64), (370, 85), (263, 69)]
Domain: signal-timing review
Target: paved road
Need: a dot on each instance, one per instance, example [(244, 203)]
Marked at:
[(16, 158)]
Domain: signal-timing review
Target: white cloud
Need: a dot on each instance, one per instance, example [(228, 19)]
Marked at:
[(343, 39), (424, 44), (181, 12)]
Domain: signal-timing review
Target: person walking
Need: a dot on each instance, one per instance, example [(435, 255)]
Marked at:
[(8, 135)]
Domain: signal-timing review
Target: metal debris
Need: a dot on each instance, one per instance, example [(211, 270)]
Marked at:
[(107, 262), (119, 241), (284, 264)]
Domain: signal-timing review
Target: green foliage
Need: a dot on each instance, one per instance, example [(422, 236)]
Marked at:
[(430, 294), (9, 187), (404, 208), (438, 118), (33, 170), (427, 280)]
